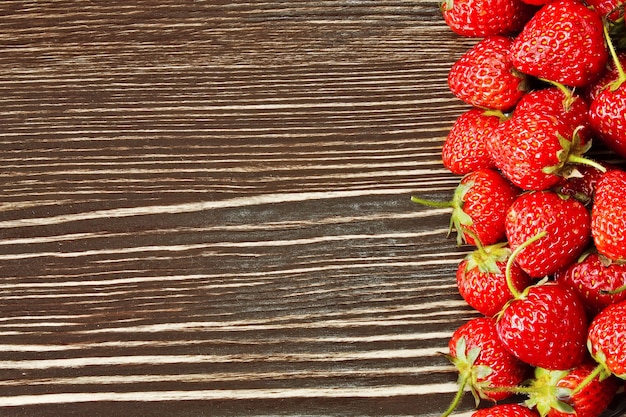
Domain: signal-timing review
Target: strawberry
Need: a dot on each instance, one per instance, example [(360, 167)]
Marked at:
[(483, 362), (606, 340), (506, 410), (482, 18), (481, 279), (545, 326), (484, 76), (552, 392), (465, 149), (556, 100), (565, 221), (607, 112), (479, 206), (594, 278), (608, 223), (534, 150), (610, 75), (563, 42), (607, 116)]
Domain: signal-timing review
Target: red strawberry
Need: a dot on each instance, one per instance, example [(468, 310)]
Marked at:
[(567, 225), (608, 222), (607, 340), (481, 18), (607, 114), (552, 392), (506, 410), (483, 362), (534, 150), (593, 278), (465, 149), (610, 75), (559, 101), (479, 206), (481, 279), (484, 76), (545, 326), (563, 42)]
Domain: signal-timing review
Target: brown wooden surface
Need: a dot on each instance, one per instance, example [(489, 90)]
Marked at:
[(205, 208)]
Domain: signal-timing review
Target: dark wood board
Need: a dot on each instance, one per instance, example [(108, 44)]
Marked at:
[(205, 208)]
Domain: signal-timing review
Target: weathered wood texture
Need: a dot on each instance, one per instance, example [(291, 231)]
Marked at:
[(205, 208)]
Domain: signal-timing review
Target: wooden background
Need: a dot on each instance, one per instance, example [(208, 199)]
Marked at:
[(205, 208)]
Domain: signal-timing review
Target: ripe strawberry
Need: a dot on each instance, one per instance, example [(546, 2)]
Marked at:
[(483, 362), (567, 225), (506, 410), (593, 278), (534, 150), (482, 18), (608, 223), (563, 42), (607, 113), (465, 149), (545, 326), (484, 76), (481, 279), (553, 393), (607, 340), (610, 75), (556, 100), (479, 206)]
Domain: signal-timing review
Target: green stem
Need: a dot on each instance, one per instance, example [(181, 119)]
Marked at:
[(513, 390), (620, 70), (511, 260), (497, 113), (437, 204), (569, 95), (597, 371), (457, 398), (479, 246), (615, 291), (586, 161)]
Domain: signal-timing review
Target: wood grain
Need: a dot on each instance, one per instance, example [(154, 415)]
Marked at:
[(205, 208)]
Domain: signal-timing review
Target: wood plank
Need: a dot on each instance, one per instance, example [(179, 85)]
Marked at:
[(205, 208)]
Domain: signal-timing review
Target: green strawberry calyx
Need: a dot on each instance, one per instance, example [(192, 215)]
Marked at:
[(571, 154), (470, 374), (447, 5), (459, 220), (545, 395), (543, 392), (486, 258)]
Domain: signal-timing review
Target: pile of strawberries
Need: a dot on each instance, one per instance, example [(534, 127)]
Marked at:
[(547, 270)]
